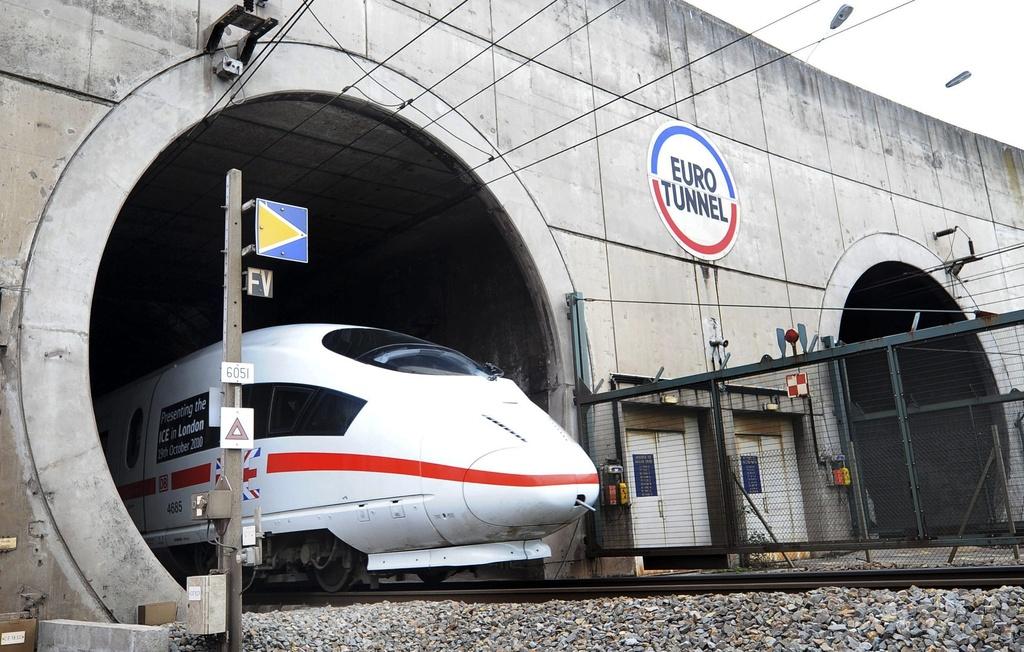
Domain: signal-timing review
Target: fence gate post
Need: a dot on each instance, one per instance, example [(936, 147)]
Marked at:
[(908, 448), (724, 470), (997, 452), (840, 390)]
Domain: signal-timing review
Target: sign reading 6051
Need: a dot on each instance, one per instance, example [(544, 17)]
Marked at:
[(239, 373)]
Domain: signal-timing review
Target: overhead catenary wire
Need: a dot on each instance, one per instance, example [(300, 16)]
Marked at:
[(616, 96), (412, 101), (188, 138), (929, 270), (366, 74), (769, 62), (476, 187), (704, 304)]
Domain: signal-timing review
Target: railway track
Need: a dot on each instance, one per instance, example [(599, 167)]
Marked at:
[(541, 591)]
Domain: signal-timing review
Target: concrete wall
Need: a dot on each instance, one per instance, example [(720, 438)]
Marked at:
[(831, 180)]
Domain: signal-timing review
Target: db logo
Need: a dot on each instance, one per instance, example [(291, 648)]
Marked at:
[(693, 190), (164, 483)]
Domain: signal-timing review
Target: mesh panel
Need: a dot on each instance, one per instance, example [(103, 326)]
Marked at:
[(887, 446)]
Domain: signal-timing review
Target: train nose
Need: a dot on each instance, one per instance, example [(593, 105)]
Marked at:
[(530, 486)]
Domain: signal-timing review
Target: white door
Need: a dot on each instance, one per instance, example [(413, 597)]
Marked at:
[(769, 474), (646, 510), (666, 478)]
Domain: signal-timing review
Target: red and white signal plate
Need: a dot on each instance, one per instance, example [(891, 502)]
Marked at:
[(796, 385)]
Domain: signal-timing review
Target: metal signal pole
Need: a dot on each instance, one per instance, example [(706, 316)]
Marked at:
[(229, 560)]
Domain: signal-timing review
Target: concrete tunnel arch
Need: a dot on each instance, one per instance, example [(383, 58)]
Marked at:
[(96, 533)]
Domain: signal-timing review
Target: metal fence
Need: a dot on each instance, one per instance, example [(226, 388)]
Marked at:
[(912, 440)]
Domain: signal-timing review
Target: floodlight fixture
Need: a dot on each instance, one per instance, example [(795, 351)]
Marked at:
[(841, 16), (962, 77)]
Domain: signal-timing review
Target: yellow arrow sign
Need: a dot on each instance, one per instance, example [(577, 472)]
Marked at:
[(272, 230)]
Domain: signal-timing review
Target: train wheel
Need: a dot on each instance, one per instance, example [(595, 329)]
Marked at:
[(434, 576), (334, 576)]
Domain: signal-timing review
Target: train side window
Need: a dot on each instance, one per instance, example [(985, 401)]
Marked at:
[(257, 397), (134, 439), (285, 408), (333, 414)]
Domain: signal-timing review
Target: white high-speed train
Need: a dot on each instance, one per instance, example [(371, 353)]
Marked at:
[(374, 451)]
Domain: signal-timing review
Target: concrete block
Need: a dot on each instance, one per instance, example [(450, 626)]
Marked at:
[(733, 108), (601, 336), (1004, 178), (919, 220), (619, 69), (643, 276), (473, 17), (629, 212), (649, 336), (678, 16), (790, 100), (851, 127), (40, 131), (910, 157), (750, 329), (345, 20), (863, 210), (758, 246), (81, 636), (559, 33), (535, 100), (587, 262), (809, 221), (957, 163), (48, 41), (391, 26)]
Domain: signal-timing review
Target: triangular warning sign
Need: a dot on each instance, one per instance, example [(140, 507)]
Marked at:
[(272, 230), (237, 432)]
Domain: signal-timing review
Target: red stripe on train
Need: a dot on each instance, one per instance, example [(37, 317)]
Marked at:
[(191, 476), (138, 489), (298, 462)]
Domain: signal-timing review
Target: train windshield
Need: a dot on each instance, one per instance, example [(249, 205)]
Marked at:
[(399, 352), (420, 359)]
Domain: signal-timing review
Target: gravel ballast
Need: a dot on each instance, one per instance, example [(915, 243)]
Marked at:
[(826, 619)]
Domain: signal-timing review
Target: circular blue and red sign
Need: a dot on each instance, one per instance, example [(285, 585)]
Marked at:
[(693, 190)]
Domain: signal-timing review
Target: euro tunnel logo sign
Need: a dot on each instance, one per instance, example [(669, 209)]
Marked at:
[(693, 190), (282, 231)]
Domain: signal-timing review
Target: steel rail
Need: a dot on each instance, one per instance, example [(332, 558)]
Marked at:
[(725, 582)]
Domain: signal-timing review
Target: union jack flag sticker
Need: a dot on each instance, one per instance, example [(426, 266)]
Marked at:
[(249, 492)]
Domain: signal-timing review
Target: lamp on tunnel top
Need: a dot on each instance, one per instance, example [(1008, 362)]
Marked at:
[(962, 77), (841, 16), (243, 18)]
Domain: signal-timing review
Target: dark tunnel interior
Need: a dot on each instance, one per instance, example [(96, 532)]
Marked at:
[(949, 423), (400, 237)]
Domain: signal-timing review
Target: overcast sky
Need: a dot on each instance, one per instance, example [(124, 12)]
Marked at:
[(908, 55)]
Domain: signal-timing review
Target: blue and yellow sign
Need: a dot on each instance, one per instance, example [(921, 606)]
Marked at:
[(645, 482), (282, 231)]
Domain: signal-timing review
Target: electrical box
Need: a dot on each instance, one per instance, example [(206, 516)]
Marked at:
[(840, 472), (228, 68), (207, 604), (614, 490), (211, 505)]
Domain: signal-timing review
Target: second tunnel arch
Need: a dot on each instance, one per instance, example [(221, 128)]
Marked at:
[(947, 433)]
